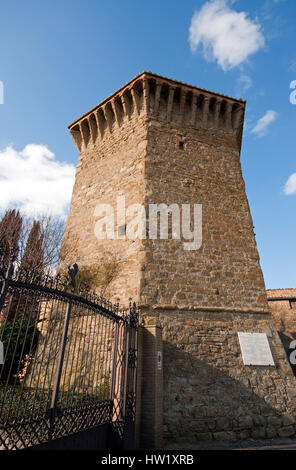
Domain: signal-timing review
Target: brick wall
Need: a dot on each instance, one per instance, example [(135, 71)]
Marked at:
[(284, 316)]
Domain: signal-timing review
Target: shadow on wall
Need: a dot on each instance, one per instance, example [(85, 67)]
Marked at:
[(203, 403), (286, 338)]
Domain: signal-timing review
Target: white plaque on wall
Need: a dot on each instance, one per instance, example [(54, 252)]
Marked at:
[(255, 349)]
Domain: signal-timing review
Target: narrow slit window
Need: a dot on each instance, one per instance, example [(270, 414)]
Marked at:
[(122, 230)]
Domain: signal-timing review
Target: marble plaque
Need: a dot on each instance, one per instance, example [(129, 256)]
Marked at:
[(255, 349)]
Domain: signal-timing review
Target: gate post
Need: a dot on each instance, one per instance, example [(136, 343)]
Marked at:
[(150, 421), (139, 388)]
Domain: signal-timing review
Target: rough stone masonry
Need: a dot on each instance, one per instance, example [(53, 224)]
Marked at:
[(157, 141)]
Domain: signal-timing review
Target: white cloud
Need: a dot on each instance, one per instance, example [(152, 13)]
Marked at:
[(263, 123), (34, 181), (243, 84), (225, 35), (290, 186), (293, 65)]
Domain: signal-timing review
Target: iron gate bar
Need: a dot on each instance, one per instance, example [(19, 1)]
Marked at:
[(112, 388), (53, 397), (70, 296), (60, 360)]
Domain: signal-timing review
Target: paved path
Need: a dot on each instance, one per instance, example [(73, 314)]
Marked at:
[(250, 444)]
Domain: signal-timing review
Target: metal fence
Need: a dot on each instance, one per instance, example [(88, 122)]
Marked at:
[(69, 363)]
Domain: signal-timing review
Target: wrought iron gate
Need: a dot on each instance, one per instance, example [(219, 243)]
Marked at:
[(69, 374)]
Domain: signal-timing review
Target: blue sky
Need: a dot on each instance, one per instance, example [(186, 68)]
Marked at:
[(59, 59)]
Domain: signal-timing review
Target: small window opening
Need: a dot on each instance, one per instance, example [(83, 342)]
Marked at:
[(292, 303), (181, 145), (122, 230)]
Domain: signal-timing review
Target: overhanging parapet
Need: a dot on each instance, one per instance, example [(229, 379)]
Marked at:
[(162, 98)]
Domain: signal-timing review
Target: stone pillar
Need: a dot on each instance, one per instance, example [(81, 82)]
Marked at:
[(139, 387), (149, 416)]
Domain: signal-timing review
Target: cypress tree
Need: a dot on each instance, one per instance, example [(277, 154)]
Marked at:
[(33, 258), (10, 230)]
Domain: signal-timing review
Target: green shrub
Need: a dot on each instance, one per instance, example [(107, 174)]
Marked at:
[(18, 336)]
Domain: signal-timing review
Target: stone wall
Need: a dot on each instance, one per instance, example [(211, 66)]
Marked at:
[(283, 312), (209, 392), (282, 303)]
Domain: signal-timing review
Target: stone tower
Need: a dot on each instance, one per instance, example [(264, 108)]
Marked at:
[(159, 141)]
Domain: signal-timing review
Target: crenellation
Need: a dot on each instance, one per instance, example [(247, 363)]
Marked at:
[(199, 110), (93, 128), (136, 100), (115, 112), (217, 113), (193, 109), (101, 122), (76, 136), (182, 105), (205, 110), (223, 113), (125, 104), (146, 95), (109, 116), (170, 102), (157, 98), (236, 116), (119, 109), (228, 115), (85, 132)]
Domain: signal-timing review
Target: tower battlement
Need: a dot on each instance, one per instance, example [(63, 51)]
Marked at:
[(164, 99)]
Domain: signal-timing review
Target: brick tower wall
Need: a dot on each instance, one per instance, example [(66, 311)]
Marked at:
[(130, 145)]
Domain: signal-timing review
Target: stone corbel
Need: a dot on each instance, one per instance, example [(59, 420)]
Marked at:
[(136, 100), (205, 110), (193, 109), (170, 103), (157, 98), (146, 93), (108, 116), (93, 128), (101, 122), (115, 112), (76, 136), (182, 104)]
